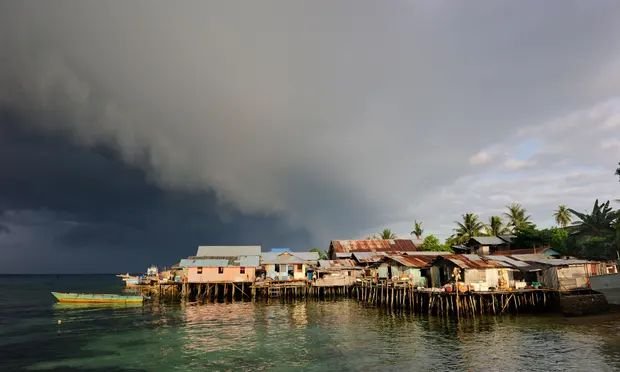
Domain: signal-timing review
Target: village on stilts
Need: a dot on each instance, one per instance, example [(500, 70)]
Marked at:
[(486, 276)]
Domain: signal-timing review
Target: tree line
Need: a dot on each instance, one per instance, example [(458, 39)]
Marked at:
[(594, 234)]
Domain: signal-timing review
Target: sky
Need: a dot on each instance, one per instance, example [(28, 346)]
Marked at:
[(131, 132)]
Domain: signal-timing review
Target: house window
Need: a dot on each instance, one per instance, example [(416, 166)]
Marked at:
[(477, 275), (242, 270), (299, 267), (348, 272), (220, 270), (199, 270)]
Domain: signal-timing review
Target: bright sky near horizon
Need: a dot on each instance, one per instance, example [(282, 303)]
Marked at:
[(132, 132)]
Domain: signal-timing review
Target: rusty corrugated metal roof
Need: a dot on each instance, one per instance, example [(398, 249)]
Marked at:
[(418, 261), (473, 261), (374, 245), (368, 257)]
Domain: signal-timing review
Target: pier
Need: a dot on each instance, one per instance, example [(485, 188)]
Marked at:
[(232, 292), (392, 295), (402, 296), (430, 283)]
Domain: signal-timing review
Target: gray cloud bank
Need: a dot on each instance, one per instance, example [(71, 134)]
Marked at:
[(339, 117), (66, 208)]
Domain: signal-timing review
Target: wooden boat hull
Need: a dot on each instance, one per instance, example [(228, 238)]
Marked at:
[(92, 298)]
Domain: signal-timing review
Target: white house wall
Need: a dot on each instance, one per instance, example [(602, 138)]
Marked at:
[(572, 277)]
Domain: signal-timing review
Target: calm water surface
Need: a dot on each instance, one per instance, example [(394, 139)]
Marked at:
[(313, 336)]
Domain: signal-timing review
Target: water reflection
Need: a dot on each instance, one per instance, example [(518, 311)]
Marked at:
[(324, 336), (344, 335), (218, 327), (60, 306)]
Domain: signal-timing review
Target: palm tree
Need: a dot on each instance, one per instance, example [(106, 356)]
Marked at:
[(387, 234), (562, 216), (601, 221), (471, 226), (517, 219), (597, 234), (496, 227), (417, 229)]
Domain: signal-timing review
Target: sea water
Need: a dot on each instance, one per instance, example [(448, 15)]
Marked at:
[(37, 334)]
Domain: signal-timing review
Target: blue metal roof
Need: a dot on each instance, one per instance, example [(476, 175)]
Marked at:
[(280, 250)]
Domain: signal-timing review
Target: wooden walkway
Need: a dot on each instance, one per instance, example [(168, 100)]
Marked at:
[(433, 301), (387, 294)]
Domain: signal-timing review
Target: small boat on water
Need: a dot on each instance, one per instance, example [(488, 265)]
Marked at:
[(96, 298), (130, 280)]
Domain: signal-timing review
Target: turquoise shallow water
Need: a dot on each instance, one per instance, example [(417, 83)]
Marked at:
[(314, 336)]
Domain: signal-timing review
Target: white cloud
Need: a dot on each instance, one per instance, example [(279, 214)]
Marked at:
[(612, 122), (480, 158), (611, 144), (516, 164), (574, 166)]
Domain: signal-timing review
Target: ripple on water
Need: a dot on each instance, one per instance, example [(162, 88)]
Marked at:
[(309, 336)]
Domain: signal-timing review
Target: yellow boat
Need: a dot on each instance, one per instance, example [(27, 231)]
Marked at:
[(64, 297)]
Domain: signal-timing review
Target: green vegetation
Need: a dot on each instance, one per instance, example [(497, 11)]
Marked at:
[(322, 253), (432, 243), (496, 227), (531, 237), (469, 227), (559, 240), (596, 234), (593, 235), (517, 217), (386, 234), (417, 229), (562, 216), (452, 241)]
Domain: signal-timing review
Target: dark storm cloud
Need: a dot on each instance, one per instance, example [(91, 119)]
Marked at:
[(96, 204), (338, 117), (42, 171)]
